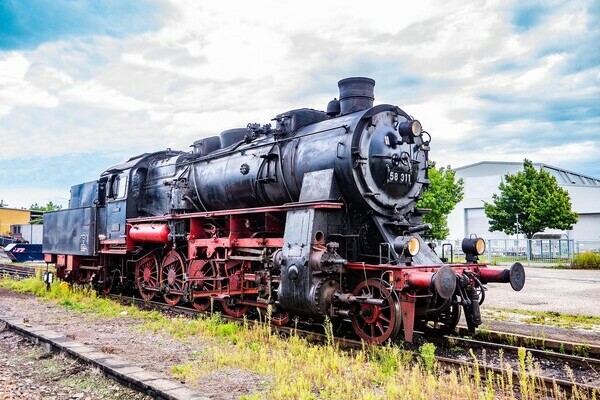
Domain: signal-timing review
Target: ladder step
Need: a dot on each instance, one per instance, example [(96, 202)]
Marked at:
[(90, 267)]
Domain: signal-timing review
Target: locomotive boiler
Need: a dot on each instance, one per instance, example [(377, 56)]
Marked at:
[(313, 216)]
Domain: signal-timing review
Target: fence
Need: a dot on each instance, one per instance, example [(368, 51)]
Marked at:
[(527, 251)]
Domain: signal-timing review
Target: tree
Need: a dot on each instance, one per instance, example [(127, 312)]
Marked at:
[(3, 204), (443, 193), (529, 202), (50, 206)]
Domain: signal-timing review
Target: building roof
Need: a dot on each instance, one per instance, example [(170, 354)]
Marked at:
[(15, 209), (563, 176)]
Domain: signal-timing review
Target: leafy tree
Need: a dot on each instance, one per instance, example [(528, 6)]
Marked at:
[(443, 194), (50, 206), (530, 201)]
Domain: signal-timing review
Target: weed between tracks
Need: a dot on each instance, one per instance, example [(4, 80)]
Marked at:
[(298, 369), (551, 318)]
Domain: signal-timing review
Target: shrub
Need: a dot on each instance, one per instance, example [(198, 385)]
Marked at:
[(586, 260), (427, 355)]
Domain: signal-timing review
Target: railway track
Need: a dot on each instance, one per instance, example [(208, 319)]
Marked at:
[(129, 376), (569, 372), (554, 367), (581, 359), (561, 346), (17, 271)]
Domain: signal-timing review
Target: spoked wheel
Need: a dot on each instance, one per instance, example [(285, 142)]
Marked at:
[(276, 317), (234, 309), (373, 323), (171, 277), (235, 283), (203, 278), (441, 323), (146, 276)]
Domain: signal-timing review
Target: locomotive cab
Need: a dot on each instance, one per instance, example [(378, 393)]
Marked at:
[(116, 206)]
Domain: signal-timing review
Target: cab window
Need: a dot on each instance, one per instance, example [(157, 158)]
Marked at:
[(118, 186), (122, 187)]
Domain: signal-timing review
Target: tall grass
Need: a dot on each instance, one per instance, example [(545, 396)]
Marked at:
[(81, 299), (586, 260), (293, 367)]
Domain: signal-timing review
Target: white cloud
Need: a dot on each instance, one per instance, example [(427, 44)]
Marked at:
[(482, 90), (562, 154), (15, 90), (96, 94)]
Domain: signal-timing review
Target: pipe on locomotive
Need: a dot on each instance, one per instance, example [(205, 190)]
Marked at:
[(443, 281)]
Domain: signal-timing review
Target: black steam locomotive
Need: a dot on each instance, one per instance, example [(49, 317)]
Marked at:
[(312, 217)]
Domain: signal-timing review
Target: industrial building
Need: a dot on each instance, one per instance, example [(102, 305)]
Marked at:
[(28, 233), (12, 216), (481, 181)]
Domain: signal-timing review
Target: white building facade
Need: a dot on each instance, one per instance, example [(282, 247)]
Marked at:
[(481, 182)]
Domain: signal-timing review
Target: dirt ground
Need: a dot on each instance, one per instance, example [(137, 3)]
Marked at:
[(29, 372), (121, 336)]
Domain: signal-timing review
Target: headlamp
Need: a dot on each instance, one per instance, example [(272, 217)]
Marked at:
[(407, 246), (409, 130), (473, 247)]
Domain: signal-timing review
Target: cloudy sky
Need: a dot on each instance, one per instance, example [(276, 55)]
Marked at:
[(85, 84)]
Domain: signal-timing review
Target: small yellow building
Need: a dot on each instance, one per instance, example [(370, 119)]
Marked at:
[(12, 216)]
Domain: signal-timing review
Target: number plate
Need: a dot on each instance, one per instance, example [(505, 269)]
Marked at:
[(399, 176)]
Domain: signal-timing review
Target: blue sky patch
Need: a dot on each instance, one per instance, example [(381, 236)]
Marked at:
[(25, 24), (503, 108), (88, 167), (528, 17)]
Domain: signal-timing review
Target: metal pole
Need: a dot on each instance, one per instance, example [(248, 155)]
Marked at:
[(517, 226)]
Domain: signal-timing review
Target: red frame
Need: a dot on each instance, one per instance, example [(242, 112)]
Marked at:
[(406, 280)]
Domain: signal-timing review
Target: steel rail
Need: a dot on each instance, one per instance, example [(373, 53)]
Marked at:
[(549, 382), (532, 342), (16, 271), (586, 361)]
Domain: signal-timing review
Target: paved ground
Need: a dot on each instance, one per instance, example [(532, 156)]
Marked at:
[(562, 290)]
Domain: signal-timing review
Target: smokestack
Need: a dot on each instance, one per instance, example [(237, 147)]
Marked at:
[(356, 94)]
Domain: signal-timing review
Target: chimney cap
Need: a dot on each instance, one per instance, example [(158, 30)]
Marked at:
[(356, 93)]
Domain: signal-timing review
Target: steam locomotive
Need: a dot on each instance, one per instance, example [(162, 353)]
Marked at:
[(313, 217)]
